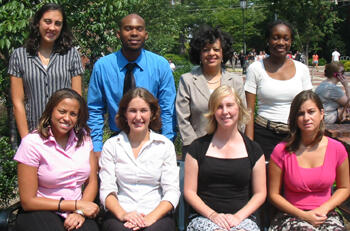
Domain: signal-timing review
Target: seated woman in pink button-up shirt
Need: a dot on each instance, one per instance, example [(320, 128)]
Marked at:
[(54, 163), (139, 175)]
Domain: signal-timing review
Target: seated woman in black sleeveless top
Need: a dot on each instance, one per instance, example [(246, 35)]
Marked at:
[(225, 180)]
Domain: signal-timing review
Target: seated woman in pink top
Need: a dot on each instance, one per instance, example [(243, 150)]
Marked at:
[(307, 165), (54, 163)]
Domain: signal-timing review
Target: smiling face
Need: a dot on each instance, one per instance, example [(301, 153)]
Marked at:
[(132, 33), (138, 115), (64, 117), (280, 40), (309, 117), (50, 26), (227, 112), (211, 54)]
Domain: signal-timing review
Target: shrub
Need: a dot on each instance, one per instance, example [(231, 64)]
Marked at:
[(347, 66), (182, 64), (8, 172)]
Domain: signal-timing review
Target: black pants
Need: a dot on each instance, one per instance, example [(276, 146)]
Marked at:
[(267, 139), (47, 220), (111, 223)]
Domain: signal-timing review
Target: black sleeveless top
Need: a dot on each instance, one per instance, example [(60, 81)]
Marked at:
[(224, 184)]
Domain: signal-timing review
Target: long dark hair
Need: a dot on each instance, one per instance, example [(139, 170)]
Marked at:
[(294, 139), (81, 129), (64, 41)]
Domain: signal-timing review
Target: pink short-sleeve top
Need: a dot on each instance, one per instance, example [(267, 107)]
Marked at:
[(308, 188), (61, 173)]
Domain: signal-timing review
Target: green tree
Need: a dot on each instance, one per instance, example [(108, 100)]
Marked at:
[(314, 20)]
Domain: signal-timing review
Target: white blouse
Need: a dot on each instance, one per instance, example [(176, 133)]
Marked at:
[(139, 184)]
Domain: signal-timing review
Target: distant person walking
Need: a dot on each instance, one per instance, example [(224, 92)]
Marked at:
[(315, 60), (172, 65), (335, 55)]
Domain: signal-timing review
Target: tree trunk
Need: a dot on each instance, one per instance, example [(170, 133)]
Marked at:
[(11, 125), (307, 53)]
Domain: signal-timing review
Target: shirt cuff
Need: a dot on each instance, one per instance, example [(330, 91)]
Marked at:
[(173, 197), (97, 146)]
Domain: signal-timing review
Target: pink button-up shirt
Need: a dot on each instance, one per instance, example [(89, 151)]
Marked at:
[(61, 173)]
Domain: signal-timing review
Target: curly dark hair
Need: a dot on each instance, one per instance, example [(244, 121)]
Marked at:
[(120, 119), (294, 139), (63, 43), (271, 25), (81, 129), (208, 35)]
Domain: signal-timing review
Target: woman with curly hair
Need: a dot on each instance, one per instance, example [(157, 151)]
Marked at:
[(210, 49), (46, 63)]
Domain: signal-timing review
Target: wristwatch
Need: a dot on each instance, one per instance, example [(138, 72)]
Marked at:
[(80, 212)]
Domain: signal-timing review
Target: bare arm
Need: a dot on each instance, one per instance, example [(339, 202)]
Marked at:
[(249, 131), (190, 187), (17, 95), (90, 190), (77, 84), (342, 192)]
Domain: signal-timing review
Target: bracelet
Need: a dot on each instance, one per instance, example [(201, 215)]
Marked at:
[(59, 205), (75, 205), (211, 215), (80, 212)]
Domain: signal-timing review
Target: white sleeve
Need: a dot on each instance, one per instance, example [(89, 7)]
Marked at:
[(251, 79), (170, 176), (107, 173)]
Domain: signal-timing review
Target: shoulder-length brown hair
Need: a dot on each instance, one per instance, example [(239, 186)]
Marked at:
[(120, 119), (214, 102), (294, 139), (81, 129)]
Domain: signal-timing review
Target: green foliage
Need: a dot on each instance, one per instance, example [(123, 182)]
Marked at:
[(182, 64), (8, 173), (322, 62), (347, 66)]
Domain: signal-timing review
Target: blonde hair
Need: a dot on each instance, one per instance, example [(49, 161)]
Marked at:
[(214, 102)]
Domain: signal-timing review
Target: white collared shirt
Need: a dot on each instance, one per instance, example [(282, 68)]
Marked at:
[(139, 184)]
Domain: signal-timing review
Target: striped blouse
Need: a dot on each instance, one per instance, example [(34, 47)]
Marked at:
[(40, 83)]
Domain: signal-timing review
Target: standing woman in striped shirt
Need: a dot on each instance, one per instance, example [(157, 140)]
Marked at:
[(46, 63)]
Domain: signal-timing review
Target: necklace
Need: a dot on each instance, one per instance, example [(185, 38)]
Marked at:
[(215, 82)]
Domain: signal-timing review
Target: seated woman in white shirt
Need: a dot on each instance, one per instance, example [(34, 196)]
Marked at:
[(139, 175)]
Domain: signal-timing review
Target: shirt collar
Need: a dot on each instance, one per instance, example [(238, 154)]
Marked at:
[(72, 137), (153, 137), (122, 61)]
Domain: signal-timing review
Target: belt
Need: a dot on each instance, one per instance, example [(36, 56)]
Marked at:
[(277, 127)]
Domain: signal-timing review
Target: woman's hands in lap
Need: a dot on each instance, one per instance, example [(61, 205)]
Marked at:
[(134, 220), (73, 221), (315, 217)]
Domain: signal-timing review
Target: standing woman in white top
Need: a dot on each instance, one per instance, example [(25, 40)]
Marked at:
[(46, 63), (273, 82), (139, 175)]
